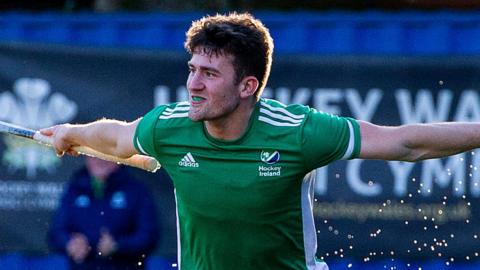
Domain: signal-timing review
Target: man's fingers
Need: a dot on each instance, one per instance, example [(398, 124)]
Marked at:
[(72, 152), (47, 131), (60, 153), (50, 132), (60, 145)]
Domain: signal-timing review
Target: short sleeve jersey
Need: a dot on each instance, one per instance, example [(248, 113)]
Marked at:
[(244, 204)]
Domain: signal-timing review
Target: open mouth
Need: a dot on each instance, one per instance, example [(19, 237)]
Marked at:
[(195, 98)]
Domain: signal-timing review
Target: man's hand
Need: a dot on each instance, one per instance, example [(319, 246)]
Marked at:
[(60, 142), (107, 245), (78, 247)]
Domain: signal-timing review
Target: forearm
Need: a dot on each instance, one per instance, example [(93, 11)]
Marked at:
[(111, 137), (100, 135), (437, 140), (415, 142)]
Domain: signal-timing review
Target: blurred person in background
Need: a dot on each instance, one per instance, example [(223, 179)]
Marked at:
[(106, 219)]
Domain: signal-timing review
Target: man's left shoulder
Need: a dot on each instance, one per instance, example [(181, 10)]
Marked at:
[(295, 108), (275, 113)]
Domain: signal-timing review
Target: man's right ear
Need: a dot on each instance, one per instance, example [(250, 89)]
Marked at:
[(248, 86)]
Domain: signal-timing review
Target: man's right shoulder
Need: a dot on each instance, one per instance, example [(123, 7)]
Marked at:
[(174, 110), (164, 122), (169, 114)]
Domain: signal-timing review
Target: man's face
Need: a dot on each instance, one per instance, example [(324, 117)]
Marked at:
[(211, 86)]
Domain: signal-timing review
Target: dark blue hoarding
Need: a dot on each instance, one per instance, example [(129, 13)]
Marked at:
[(363, 209)]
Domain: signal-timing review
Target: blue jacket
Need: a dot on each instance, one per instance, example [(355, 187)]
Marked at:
[(126, 210)]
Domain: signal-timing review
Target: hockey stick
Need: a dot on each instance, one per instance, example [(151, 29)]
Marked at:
[(139, 161)]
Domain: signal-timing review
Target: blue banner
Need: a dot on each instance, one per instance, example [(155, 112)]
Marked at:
[(363, 209)]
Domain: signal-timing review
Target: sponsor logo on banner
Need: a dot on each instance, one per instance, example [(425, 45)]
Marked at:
[(33, 106)]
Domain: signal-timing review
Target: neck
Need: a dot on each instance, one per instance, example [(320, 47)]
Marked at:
[(232, 126)]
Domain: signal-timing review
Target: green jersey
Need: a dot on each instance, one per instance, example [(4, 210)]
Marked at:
[(244, 204)]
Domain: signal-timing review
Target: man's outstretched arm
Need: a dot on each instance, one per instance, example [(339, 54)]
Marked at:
[(111, 137), (414, 142)]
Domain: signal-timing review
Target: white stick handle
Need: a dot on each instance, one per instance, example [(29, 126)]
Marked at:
[(139, 161)]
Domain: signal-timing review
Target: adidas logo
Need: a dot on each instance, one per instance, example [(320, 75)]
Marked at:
[(188, 161)]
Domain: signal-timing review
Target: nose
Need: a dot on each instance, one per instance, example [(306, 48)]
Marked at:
[(194, 82)]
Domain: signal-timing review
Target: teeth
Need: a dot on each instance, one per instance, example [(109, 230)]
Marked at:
[(197, 98)]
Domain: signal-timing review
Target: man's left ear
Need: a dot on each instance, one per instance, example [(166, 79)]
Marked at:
[(248, 86)]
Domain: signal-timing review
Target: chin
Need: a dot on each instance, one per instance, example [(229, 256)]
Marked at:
[(195, 117)]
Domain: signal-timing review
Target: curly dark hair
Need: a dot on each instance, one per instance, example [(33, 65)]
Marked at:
[(237, 34)]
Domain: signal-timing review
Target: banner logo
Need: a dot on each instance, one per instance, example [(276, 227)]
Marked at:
[(32, 106)]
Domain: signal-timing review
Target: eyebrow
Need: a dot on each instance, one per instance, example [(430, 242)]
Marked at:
[(204, 67)]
